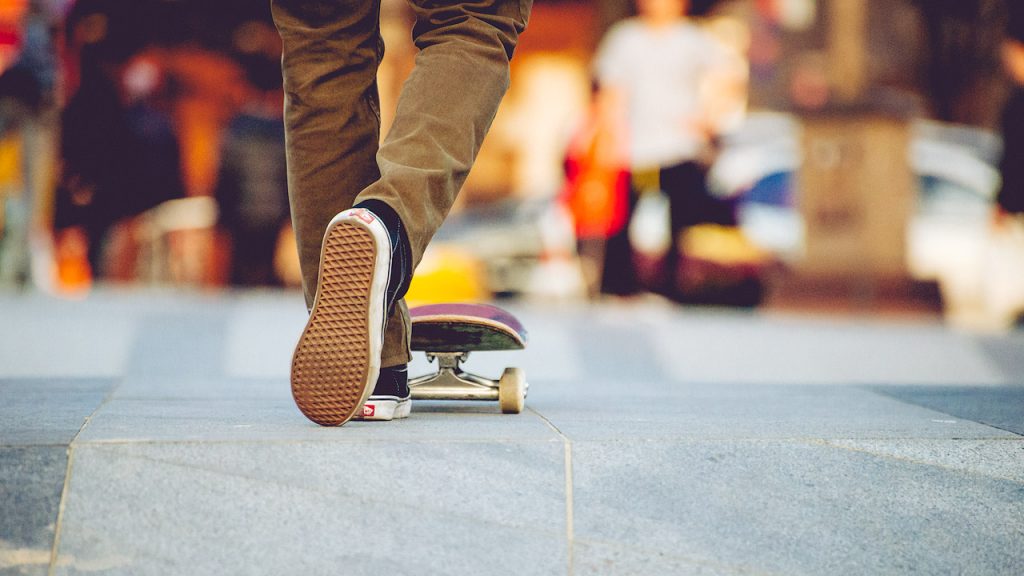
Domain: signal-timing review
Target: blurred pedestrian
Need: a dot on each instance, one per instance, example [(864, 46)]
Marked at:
[(119, 149), (252, 183), (97, 150), (147, 102), (27, 94), (19, 95), (364, 213), (597, 195), (670, 77)]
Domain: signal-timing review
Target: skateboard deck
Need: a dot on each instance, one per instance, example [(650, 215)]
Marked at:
[(447, 333)]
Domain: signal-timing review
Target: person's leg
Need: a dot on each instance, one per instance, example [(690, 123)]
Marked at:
[(96, 231), (331, 52), (332, 49), (691, 203), (618, 272), (332, 121), (683, 183), (444, 112)]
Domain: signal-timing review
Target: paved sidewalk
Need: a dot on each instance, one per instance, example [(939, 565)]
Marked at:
[(154, 433)]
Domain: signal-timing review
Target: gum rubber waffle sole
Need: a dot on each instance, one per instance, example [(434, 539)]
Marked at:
[(332, 364)]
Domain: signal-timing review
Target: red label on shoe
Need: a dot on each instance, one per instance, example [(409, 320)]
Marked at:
[(369, 410), (364, 215)]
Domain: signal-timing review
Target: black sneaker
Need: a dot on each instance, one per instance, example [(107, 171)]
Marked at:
[(337, 359), (391, 398)]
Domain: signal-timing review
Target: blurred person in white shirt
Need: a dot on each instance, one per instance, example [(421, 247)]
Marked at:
[(676, 86)]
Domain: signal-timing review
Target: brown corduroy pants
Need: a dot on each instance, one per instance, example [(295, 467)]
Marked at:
[(332, 49)]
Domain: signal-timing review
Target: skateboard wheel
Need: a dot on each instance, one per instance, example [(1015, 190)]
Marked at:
[(512, 391)]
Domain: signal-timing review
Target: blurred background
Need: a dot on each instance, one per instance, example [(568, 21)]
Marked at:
[(845, 156)]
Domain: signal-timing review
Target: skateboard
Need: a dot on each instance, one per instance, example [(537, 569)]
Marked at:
[(447, 333)]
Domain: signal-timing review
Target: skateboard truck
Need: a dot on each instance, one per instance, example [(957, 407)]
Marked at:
[(452, 383)]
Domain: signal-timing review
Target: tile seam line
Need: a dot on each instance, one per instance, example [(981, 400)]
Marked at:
[(65, 490), (338, 442), (917, 462), (51, 569), (561, 438), (937, 411), (569, 498), (33, 444), (289, 486), (732, 570), (1017, 434), (768, 439)]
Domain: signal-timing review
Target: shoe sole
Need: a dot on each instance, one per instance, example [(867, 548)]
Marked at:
[(337, 359), (385, 409)]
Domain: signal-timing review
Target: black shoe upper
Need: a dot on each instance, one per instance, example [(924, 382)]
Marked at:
[(401, 255), (393, 381)]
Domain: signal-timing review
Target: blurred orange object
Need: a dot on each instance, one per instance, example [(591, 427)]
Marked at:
[(10, 164), (11, 12), (596, 198), (597, 184), (74, 276)]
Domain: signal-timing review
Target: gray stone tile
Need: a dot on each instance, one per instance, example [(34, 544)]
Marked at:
[(552, 353), (400, 508), (1001, 407), (57, 338), (45, 411), (31, 482), (648, 340), (186, 345), (159, 387), (713, 347), (703, 442), (261, 335), (1005, 351), (608, 559), (618, 353), (645, 410), (795, 508), (999, 459), (251, 420)]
